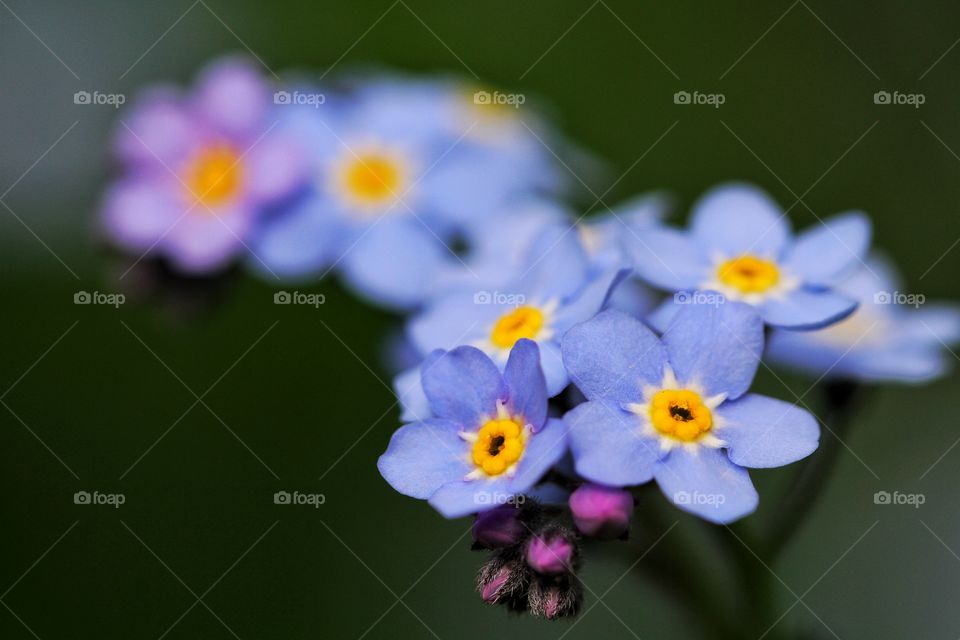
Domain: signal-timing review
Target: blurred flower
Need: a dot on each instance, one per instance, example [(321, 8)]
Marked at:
[(489, 438), (551, 552), (499, 527), (739, 244), (554, 291), (676, 410), (199, 169), (884, 340), (601, 512)]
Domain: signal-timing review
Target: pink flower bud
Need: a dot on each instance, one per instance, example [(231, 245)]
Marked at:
[(551, 555), (498, 528), (601, 512)]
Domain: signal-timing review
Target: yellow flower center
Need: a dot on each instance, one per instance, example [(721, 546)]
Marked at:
[(522, 322), (498, 446), (372, 178), (680, 414), (749, 274), (214, 175)]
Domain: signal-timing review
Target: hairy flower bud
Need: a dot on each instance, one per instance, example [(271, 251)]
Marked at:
[(555, 598), (503, 581), (551, 553), (498, 528), (601, 512)]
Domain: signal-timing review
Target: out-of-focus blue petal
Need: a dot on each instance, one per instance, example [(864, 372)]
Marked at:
[(763, 432), (826, 251), (298, 242), (661, 317), (553, 369), (608, 445), (526, 384), (462, 385), (555, 266), (716, 346), (937, 324), (414, 405), (705, 483), (632, 297), (590, 300), (612, 357), (424, 456), (394, 262), (737, 219), (804, 309), (455, 319), (667, 258)]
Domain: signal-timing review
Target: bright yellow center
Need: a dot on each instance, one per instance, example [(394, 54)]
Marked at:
[(373, 178), (214, 175), (522, 322), (749, 274), (680, 414), (498, 446)]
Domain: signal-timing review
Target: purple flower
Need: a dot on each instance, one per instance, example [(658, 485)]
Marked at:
[(199, 169), (601, 512)]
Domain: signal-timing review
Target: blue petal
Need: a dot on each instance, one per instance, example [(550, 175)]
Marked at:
[(821, 254), (661, 317), (555, 266), (667, 258), (414, 405), (463, 385), (804, 309), (588, 302), (453, 320), (937, 324), (544, 449), (737, 219), (716, 346), (299, 242), (705, 483), (526, 384), (424, 456), (553, 369), (608, 445), (762, 432), (394, 262), (612, 357)]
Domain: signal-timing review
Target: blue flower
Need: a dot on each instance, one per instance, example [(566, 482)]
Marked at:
[(740, 245), (488, 438), (676, 410), (885, 340), (555, 290), (396, 187)]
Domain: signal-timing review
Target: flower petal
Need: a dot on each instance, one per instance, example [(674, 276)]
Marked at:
[(526, 384), (612, 357), (454, 319), (424, 456), (463, 385), (667, 258), (804, 309), (408, 387), (738, 219), (715, 346), (608, 445), (553, 369), (232, 95), (763, 432), (705, 483), (298, 242), (823, 253)]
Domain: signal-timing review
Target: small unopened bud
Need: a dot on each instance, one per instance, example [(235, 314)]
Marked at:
[(555, 598), (551, 553), (601, 512), (498, 528), (502, 581)]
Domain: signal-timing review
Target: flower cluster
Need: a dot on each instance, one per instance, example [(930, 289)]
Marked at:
[(545, 382)]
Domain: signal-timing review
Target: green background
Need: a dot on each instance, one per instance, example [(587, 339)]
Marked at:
[(308, 409)]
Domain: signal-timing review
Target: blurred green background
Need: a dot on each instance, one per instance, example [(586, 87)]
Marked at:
[(103, 399)]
